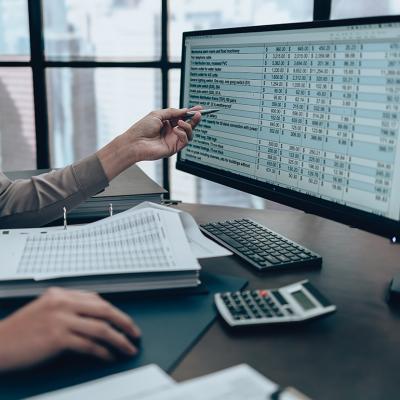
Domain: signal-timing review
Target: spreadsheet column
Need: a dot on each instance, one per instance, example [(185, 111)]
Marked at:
[(229, 78), (376, 126)]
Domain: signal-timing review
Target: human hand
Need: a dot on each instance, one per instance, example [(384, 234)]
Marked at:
[(65, 320), (162, 133), (159, 134)]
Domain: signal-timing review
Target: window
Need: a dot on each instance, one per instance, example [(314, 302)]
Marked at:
[(102, 29), (90, 106), (14, 30), (17, 126), (17, 121), (363, 8)]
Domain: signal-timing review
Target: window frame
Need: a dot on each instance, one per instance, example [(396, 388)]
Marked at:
[(38, 65)]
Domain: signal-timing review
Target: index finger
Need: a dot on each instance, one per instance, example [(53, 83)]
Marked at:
[(96, 307), (171, 113), (196, 108)]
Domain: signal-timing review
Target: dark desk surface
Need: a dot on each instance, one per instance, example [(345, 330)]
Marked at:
[(353, 354)]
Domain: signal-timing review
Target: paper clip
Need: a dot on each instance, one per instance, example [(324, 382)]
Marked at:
[(65, 217)]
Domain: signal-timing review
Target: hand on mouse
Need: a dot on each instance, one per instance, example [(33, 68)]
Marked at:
[(65, 320)]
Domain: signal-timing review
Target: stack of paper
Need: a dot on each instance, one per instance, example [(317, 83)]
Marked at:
[(147, 247), (151, 383), (127, 190)]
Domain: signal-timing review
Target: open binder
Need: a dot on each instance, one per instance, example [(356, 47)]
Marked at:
[(147, 247)]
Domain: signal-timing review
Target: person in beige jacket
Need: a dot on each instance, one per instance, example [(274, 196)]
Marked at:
[(66, 320)]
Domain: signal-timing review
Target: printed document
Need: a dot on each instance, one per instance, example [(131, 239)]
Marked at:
[(201, 246), (130, 385), (137, 240), (236, 383), (151, 383)]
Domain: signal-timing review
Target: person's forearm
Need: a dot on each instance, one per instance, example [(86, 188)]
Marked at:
[(117, 156), (36, 201)]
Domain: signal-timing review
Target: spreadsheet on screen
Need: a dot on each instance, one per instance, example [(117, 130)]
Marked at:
[(314, 110)]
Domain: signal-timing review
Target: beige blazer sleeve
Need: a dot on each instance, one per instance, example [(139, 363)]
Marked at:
[(39, 200)]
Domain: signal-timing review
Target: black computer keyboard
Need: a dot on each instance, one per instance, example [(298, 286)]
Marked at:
[(261, 247)]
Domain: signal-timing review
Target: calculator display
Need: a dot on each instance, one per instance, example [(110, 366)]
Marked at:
[(303, 300)]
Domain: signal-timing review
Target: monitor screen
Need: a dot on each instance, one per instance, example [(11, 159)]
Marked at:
[(309, 115)]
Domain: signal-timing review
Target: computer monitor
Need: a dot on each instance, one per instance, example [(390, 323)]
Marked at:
[(309, 115)]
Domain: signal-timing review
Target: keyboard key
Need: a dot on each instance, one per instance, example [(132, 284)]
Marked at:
[(272, 259), (264, 264), (303, 255), (256, 257), (228, 240)]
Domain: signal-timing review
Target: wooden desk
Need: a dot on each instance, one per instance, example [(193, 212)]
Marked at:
[(353, 354)]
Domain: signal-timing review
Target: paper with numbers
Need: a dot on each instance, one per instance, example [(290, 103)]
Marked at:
[(137, 240)]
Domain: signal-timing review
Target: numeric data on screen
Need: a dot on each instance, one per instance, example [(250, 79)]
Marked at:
[(316, 112)]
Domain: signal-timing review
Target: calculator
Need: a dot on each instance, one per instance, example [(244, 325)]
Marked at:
[(297, 302)]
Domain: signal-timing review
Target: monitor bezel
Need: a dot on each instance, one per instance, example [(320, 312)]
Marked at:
[(329, 209)]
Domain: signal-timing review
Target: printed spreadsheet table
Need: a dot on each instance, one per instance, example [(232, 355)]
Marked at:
[(311, 114), (135, 242)]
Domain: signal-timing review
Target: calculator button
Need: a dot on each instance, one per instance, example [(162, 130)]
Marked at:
[(279, 297), (268, 315)]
